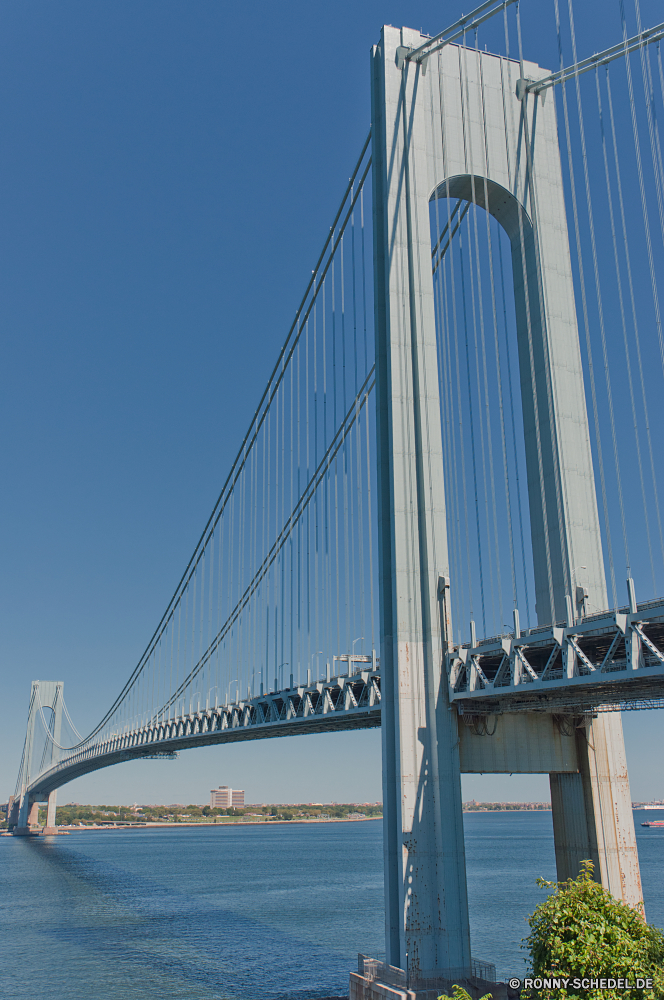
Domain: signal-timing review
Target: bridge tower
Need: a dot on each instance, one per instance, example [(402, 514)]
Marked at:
[(453, 125), (24, 811)]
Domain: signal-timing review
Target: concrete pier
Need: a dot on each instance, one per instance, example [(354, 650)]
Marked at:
[(378, 981)]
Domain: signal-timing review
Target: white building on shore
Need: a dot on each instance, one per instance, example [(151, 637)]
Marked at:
[(226, 798)]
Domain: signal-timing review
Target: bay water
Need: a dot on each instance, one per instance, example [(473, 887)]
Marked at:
[(274, 911)]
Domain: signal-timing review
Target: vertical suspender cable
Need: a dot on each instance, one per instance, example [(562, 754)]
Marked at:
[(359, 506), (354, 295), (462, 613), (462, 445), (653, 130), (472, 435), (506, 88), (586, 322), (297, 432), (364, 280), (526, 588), (524, 272), (278, 525), (644, 201), (316, 512), (456, 454), (620, 291), (467, 130), (658, 183), (326, 485), (443, 371), (503, 439), (598, 290), (471, 407), (370, 522), (489, 479), (347, 573), (198, 658), (530, 192)]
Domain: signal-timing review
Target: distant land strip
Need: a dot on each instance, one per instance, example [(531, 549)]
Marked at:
[(474, 806), (77, 815)]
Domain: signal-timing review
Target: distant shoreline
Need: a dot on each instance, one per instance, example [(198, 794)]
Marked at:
[(259, 822), (157, 825), (176, 826), (541, 809)]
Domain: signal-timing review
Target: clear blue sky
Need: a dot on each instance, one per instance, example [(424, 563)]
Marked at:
[(168, 171)]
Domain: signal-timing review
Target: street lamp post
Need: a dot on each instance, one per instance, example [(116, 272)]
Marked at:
[(352, 650), (310, 668), (580, 592), (276, 677)]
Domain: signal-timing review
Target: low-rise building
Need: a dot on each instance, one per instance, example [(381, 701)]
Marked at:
[(226, 798)]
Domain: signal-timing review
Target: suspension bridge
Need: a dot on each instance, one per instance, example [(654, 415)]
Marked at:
[(444, 517)]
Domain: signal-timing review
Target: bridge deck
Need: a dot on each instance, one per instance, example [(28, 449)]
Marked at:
[(601, 660), (604, 659), (342, 703)]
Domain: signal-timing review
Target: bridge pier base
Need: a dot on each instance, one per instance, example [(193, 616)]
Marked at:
[(50, 811), (12, 812), (28, 818), (361, 989), (592, 812), (377, 981)]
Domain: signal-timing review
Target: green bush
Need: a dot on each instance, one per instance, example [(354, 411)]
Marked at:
[(461, 994), (582, 931)]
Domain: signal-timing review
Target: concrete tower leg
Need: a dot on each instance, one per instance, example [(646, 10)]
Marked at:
[(454, 127), (425, 880), (12, 812), (48, 694), (51, 810), (28, 817), (22, 825), (23, 814), (592, 812)]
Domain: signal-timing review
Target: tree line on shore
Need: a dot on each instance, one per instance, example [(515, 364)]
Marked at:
[(77, 813), (88, 815)]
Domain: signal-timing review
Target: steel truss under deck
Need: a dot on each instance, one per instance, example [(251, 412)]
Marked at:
[(599, 661), (340, 703), (610, 660)]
